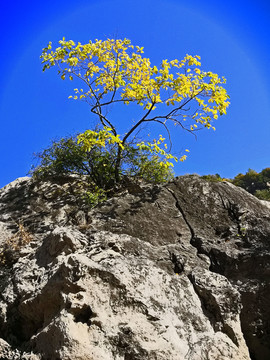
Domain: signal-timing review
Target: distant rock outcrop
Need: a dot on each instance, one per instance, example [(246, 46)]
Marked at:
[(179, 271)]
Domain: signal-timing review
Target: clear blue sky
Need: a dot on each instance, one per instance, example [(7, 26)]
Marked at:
[(232, 38)]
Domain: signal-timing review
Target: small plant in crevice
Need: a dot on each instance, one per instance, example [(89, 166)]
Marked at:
[(94, 197), (10, 249), (243, 231)]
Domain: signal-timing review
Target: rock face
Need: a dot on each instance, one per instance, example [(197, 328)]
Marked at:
[(173, 272)]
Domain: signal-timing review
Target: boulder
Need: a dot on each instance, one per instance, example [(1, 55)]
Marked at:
[(177, 271)]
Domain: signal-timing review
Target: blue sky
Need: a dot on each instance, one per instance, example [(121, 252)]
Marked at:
[(231, 37)]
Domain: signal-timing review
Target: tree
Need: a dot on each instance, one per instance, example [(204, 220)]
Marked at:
[(257, 184), (178, 93)]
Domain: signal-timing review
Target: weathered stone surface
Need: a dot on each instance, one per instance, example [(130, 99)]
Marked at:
[(179, 272)]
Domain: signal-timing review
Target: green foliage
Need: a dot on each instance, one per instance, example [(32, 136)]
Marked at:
[(149, 161), (250, 181), (95, 196), (68, 156), (253, 181), (265, 174), (213, 178), (263, 194), (60, 158), (146, 167)]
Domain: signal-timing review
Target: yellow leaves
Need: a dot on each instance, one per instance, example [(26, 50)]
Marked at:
[(200, 101), (175, 63), (165, 64), (80, 94), (139, 49), (91, 138), (191, 60), (116, 65), (183, 158), (155, 147), (73, 61)]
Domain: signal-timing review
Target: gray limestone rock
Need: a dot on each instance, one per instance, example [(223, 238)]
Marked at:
[(178, 271)]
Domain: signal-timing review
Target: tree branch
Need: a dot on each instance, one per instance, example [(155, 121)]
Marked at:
[(138, 123)]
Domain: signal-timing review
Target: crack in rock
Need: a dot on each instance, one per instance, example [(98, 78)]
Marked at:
[(178, 206), (216, 308)]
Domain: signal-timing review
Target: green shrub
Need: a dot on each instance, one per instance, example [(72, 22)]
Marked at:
[(95, 196), (140, 164), (66, 156), (263, 194), (213, 178)]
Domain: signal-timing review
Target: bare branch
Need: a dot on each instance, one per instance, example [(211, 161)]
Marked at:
[(168, 131), (138, 123)]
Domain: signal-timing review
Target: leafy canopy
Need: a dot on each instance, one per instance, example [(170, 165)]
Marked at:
[(178, 93)]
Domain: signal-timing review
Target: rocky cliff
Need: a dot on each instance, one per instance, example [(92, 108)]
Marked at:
[(172, 272)]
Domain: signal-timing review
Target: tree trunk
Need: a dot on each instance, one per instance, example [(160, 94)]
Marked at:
[(117, 165)]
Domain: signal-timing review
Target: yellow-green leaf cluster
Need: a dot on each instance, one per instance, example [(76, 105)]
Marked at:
[(158, 147), (101, 138)]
